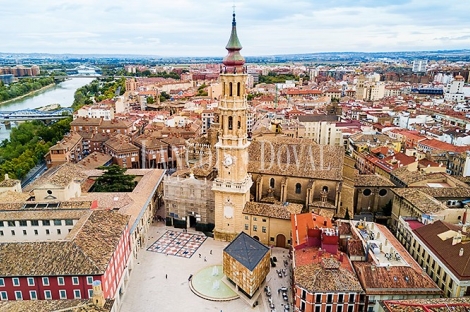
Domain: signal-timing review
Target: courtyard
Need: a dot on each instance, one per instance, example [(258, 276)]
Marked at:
[(159, 280)]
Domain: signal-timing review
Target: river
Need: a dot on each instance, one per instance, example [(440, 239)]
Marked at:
[(62, 94)]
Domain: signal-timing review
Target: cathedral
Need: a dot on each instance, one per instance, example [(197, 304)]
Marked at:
[(256, 184)]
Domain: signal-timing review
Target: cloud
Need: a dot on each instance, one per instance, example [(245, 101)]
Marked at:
[(202, 28)]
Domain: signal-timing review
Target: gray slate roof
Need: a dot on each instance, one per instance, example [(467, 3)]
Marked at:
[(246, 250)]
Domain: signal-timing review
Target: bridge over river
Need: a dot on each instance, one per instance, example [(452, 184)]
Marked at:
[(34, 114)]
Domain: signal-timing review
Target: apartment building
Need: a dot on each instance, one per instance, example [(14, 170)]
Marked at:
[(388, 271), (442, 250), (124, 153), (69, 149), (96, 247), (324, 279), (100, 110), (322, 129)]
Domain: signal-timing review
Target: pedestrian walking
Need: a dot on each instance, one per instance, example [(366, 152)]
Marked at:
[(211, 252), (205, 260), (166, 276), (199, 255)]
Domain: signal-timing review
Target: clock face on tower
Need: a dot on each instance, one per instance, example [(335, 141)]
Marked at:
[(228, 161)]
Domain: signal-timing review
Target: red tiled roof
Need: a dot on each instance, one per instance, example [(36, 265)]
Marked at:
[(428, 305), (436, 144), (444, 250), (414, 224), (303, 92), (394, 280), (304, 222)]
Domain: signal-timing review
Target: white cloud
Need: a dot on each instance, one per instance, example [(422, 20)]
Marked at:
[(202, 28)]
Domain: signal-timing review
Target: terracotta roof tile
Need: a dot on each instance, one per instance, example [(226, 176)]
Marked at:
[(269, 155), (67, 142), (95, 160), (70, 305), (428, 305), (59, 176), (324, 272), (88, 253), (394, 280), (121, 143), (272, 210), (9, 182), (372, 180), (424, 202), (13, 197)]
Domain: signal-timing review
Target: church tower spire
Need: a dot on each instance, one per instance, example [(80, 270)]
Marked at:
[(233, 58), (233, 182)]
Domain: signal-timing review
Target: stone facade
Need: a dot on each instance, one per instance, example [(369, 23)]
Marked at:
[(189, 198), (232, 185)]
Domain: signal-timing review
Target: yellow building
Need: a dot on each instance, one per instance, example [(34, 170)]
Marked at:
[(270, 223)]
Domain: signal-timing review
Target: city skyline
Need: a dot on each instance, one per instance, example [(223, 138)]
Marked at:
[(189, 28)]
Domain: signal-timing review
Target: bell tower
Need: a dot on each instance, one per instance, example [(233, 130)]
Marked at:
[(232, 185)]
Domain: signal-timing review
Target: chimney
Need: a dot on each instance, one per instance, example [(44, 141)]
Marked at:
[(7, 177), (98, 297), (461, 252), (457, 238), (464, 228)]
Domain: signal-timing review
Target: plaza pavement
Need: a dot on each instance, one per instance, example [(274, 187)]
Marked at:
[(149, 290)]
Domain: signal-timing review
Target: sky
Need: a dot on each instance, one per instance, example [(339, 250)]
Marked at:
[(202, 27)]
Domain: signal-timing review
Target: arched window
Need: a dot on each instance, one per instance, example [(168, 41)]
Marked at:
[(238, 89), (230, 89), (298, 188), (325, 189), (223, 89), (271, 183), (239, 124), (230, 122)]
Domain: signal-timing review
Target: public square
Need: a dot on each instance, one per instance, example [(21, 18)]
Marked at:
[(159, 281)]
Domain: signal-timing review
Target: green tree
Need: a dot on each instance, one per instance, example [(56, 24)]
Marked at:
[(28, 144), (114, 179), (164, 96), (150, 100)]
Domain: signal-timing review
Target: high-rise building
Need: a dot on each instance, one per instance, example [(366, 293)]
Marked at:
[(232, 185), (454, 91), (419, 66)]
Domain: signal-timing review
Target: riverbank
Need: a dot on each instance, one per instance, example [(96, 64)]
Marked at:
[(29, 93)]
